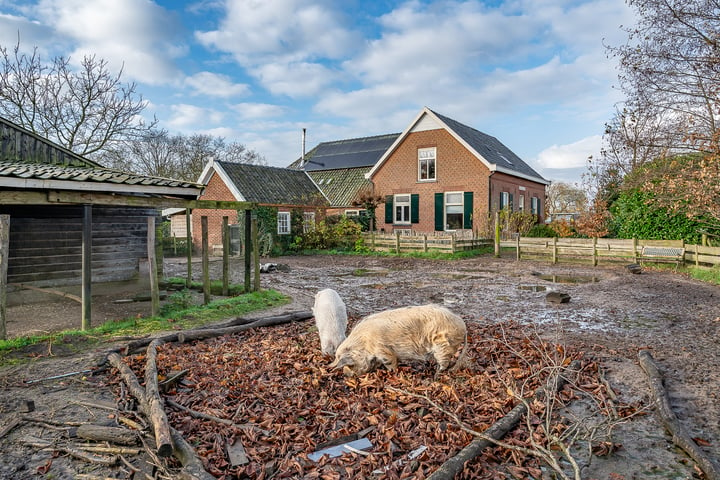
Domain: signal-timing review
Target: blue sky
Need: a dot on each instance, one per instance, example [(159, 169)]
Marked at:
[(533, 73)]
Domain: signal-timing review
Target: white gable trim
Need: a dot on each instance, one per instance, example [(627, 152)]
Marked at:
[(212, 168)]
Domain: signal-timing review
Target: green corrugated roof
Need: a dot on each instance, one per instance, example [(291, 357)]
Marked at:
[(341, 185)]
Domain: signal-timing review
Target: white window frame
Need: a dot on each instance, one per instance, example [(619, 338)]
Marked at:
[(448, 203), (283, 223), (308, 222), (504, 200), (399, 217), (427, 156), (521, 203), (535, 205)]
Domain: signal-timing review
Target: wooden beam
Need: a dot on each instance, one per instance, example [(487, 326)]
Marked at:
[(226, 255), (188, 233), (86, 267), (205, 259), (152, 264), (248, 248), (4, 250), (54, 197)]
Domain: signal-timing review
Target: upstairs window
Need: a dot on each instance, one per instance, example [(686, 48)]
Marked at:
[(506, 201), (535, 206), (426, 164)]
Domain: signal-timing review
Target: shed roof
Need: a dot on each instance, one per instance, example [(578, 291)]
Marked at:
[(349, 153), (266, 185)]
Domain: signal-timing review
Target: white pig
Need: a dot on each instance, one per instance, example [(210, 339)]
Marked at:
[(403, 334), (331, 319)]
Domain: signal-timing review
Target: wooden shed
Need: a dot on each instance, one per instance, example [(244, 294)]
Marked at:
[(70, 217)]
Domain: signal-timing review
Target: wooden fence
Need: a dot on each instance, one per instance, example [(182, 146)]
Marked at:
[(591, 250), (446, 243), (596, 250)]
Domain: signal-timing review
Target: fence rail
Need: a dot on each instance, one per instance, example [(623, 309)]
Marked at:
[(596, 250), (398, 242), (592, 250)]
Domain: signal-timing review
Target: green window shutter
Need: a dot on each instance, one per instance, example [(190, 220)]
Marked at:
[(414, 208), (510, 202), (389, 209), (439, 212), (467, 209)]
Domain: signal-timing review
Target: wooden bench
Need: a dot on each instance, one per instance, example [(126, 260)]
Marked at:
[(663, 254)]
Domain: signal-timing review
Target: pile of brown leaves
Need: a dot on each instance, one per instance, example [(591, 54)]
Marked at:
[(275, 385)]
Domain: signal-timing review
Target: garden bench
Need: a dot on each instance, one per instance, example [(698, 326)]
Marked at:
[(663, 254)]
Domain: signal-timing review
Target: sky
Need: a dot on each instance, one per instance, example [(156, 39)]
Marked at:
[(533, 73)]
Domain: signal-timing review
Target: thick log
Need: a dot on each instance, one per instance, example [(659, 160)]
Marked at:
[(670, 421), (497, 430), (192, 465), (136, 345), (157, 416), (202, 334), (99, 433)]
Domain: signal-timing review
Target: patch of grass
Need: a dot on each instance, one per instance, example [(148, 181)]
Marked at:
[(178, 283), (173, 319), (430, 254), (704, 274)]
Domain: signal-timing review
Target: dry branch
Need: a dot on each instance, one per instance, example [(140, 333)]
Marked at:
[(157, 415), (201, 334), (495, 432), (224, 421), (74, 452), (48, 290), (670, 421)]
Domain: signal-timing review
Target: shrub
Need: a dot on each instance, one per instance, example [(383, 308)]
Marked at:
[(541, 230)]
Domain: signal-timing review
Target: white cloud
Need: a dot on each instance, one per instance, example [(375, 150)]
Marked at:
[(571, 155), (279, 31), (215, 85), (294, 79), (136, 35), (258, 110), (191, 117)]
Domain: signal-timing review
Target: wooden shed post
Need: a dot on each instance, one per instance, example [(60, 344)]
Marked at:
[(152, 266), (256, 254), (4, 254), (86, 278), (188, 237), (248, 248), (226, 254), (205, 259)]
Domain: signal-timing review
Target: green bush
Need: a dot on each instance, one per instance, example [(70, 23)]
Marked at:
[(635, 216), (541, 230)]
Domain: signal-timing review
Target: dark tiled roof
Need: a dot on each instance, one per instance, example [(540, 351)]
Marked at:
[(341, 185), (489, 147), (271, 185), (350, 153), (40, 171)]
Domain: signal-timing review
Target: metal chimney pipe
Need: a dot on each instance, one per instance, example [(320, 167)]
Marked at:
[(302, 161)]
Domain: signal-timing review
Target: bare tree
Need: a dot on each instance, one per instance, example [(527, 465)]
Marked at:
[(563, 197), (85, 110), (182, 157)]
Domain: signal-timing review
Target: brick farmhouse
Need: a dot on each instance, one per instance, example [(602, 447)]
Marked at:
[(441, 175)]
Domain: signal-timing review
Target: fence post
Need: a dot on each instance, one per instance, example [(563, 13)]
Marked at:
[(635, 252), (4, 254), (554, 251), (397, 242), (425, 246), (452, 243), (205, 259), (226, 255), (594, 252), (697, 255), (517, 248), (497, 234)]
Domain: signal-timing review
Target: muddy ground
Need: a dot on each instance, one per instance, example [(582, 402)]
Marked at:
[(612, 314)]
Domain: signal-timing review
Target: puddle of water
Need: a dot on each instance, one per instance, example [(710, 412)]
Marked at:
[(566, 278), (533, 288), (451, 276), (364, 272)]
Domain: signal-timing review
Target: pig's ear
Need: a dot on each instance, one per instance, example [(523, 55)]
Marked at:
[(343, 361)]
